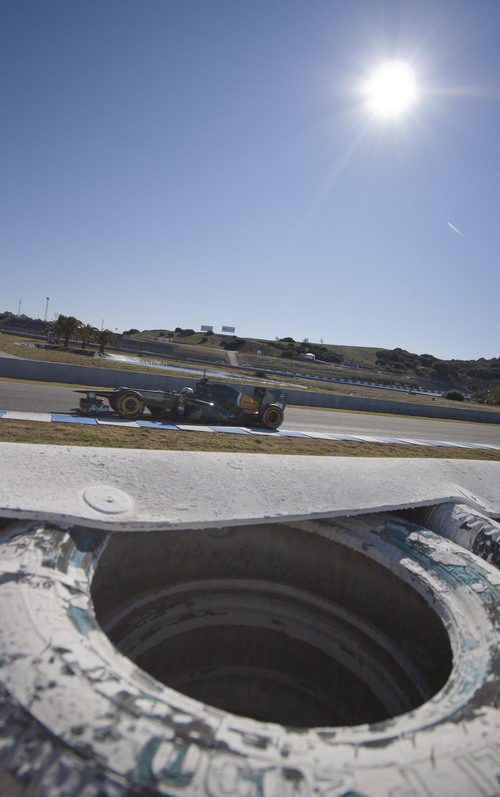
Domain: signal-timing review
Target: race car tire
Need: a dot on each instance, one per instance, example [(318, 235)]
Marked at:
[(130, 405), (272, 417), (79, 717)]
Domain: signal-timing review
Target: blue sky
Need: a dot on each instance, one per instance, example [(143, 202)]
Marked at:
[(171, 163)]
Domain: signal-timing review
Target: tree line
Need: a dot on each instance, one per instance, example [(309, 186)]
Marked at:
[(66, 327)]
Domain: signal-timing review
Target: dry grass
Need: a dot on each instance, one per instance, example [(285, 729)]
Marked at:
[(112, 437), (8, 344)]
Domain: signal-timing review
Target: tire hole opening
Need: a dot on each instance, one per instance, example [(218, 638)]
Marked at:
[(271, 623)]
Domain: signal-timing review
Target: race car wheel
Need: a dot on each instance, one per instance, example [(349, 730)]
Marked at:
[(130, 405), (316, 659), (272, 417)]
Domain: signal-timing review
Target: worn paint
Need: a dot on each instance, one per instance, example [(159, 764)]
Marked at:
[(78, 718), (81, 619)]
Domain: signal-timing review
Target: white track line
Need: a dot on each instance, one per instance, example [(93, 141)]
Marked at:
[(13, 415)]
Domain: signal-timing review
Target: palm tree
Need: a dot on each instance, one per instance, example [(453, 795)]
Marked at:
[(86, 333), (67, 326), (56, 326), (104, 338)]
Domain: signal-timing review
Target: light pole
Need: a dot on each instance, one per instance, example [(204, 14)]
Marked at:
[(47, 300)]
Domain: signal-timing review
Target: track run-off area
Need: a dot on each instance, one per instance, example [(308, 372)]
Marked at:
[(34, 398)]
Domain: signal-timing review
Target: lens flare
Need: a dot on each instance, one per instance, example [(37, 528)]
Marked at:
[(391, 90)]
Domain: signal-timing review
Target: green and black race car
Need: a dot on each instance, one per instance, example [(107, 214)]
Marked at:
[(207, 402)]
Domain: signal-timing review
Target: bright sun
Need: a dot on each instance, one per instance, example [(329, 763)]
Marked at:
[(391, 90)]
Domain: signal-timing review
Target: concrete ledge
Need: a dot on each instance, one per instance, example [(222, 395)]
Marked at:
[(130, 490), (113, 377)]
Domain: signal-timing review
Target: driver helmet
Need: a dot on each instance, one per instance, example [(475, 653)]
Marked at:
[(187, 391)]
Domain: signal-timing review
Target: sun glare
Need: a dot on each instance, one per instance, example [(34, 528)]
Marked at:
[(391, 90)]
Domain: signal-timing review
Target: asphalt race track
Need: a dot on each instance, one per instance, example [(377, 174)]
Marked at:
[(30, 397), (336, 421)]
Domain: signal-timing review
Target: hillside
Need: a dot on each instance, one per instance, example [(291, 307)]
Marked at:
[(386, 365)]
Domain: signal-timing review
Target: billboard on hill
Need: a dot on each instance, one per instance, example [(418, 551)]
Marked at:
[(229, 329)]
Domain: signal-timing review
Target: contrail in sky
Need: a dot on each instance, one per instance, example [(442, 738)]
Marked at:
[(455, 229)]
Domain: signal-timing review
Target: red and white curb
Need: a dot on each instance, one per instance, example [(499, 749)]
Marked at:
[(111, 420)]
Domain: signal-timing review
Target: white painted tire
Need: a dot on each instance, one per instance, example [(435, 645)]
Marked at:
[(79, 718), (467, 527)]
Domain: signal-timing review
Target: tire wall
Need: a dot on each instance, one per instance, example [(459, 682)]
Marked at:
[(467, 527), (79, 717)]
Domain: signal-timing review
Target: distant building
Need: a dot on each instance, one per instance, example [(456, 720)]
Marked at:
[(307, 355)]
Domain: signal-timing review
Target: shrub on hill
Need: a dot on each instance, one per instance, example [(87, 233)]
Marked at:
[(184, 333), (455, 395), (490, 396), (427, 360), (393, 359), (290, 349), (128, 332), (235, 344), (331, 357), (440, 370), (491, 372), (400, 359)]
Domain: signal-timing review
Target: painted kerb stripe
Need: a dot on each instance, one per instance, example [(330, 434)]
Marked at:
[(112, 420)]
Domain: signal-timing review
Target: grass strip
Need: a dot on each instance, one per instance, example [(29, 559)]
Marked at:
[(154, 439)]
